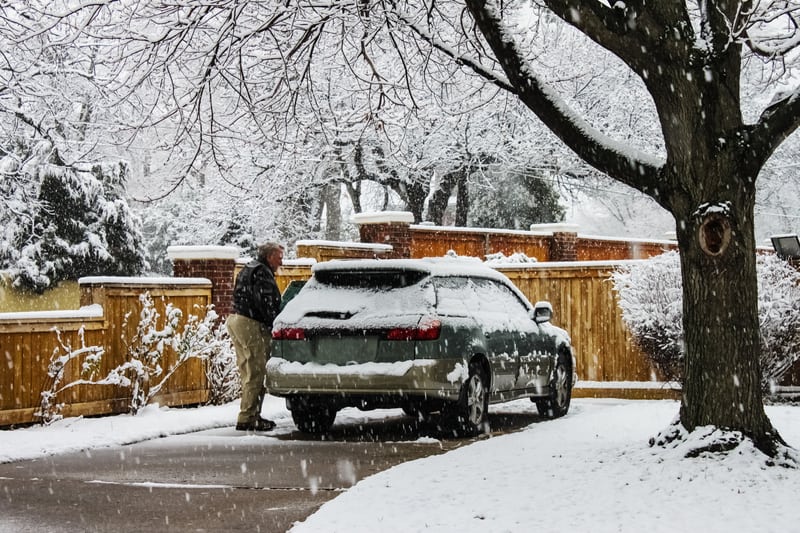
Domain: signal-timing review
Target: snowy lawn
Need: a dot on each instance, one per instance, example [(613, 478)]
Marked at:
[(590, 471)]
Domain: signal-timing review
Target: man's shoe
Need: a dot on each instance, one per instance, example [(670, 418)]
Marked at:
[(259, 424)]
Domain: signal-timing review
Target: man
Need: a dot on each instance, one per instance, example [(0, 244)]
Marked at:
[(256, 302)]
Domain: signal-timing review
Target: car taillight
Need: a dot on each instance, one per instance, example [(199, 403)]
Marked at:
[(289, 334), (427, 330)]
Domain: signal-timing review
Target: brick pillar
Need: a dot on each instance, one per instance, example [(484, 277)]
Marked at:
[(387, 227), (564, 246), (216, 263), (564, 240)]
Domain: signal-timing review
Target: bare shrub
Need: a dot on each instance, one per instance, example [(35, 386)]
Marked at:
[(143, 372)]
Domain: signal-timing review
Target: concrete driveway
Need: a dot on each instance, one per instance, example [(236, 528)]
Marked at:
[(215, 480)]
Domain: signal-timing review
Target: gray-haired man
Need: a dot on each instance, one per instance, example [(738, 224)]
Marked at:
[(256, 302)]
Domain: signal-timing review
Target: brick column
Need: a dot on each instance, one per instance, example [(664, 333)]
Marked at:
[(564, 240), (387, 227), (564, 246), (216, 263)]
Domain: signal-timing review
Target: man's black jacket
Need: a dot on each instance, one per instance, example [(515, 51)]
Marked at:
[(256, 294)]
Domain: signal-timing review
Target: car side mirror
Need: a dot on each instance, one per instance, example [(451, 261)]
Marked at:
[(542, 312)]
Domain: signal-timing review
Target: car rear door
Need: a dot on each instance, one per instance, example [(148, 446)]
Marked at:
[(491, 314), (530, 358)]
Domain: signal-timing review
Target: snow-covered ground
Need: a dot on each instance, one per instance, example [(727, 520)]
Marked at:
[(589, 471)]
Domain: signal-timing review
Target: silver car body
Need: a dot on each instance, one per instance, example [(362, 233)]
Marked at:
[(374, 333)]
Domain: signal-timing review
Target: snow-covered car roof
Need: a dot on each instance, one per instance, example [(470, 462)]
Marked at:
[(435, 266)]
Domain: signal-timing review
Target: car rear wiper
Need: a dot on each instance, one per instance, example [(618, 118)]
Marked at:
[(337, 315)]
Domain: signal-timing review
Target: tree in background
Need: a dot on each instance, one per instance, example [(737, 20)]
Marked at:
[(514, 200), (80, 225), (191, 217)]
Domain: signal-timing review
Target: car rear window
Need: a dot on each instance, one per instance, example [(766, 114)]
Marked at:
[(361, 301), (373, 279)]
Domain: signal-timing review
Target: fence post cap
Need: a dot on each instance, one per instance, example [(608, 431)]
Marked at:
[(383, 217), (558, 227)]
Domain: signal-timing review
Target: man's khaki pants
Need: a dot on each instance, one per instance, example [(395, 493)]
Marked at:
[(252, 341)]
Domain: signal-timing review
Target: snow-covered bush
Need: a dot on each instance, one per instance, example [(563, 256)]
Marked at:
[(651, 299), (146, 352), (198, 339), (224, 382), (779, 315), (208, 340), (500, 259)]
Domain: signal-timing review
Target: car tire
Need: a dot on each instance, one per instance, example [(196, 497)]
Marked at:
[(557, 403), (471, 413), (313, 417)]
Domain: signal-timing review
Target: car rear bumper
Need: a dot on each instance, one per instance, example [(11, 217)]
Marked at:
[(425, 378)]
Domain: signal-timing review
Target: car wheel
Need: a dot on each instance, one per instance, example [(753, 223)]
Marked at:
[(471, 413), (312, 417), (557, 403)]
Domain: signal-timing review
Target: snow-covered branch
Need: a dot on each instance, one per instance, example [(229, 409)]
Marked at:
[(779, 120), (461, 59), (634, 168)]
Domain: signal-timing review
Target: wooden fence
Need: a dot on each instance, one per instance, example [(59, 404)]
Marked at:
[(608, 363), (28, 341), (582, 296), (436, 242)]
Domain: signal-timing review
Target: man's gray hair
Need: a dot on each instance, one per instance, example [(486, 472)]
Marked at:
[(267, 249)]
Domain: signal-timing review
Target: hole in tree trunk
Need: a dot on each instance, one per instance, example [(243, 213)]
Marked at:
[(715, 234)]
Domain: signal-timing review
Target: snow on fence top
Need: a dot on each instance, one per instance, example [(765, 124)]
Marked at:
[(346, 244), (86, 312), (383, 217), (628, 239), (564, 265), (142, 281), (202, 252), (438, 266), (299, 262), (464, 229)]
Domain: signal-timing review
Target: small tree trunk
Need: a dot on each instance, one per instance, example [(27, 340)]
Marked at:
[(462, 203), (441, 196), (331, 196)]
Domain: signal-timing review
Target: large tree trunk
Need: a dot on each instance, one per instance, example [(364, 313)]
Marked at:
[(720, 321), (462, 203), (709, 181)]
